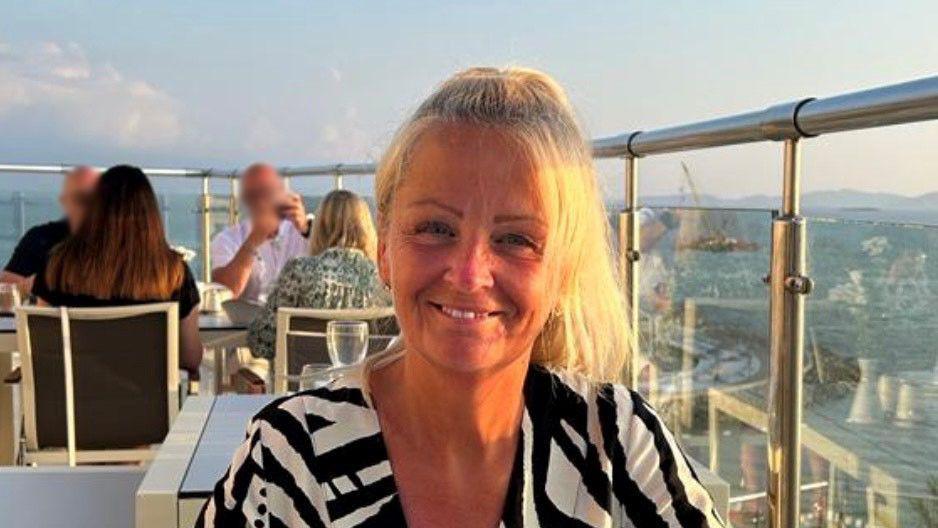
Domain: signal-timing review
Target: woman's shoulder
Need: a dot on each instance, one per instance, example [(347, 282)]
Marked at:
[(345, 257), (573, 392), (339, 406)]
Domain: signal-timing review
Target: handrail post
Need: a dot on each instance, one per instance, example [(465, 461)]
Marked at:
[(206, 210), (338, 183), (233, 200), (629, 255), (789, 284)]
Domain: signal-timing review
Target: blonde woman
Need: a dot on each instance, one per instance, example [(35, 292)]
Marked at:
[(339, 272), (499, 406)]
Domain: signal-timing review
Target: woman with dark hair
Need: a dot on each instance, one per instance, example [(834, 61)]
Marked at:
[(120, 256)]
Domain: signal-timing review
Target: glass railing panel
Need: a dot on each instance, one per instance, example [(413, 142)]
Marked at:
[(179, 201), (704, 334), (21, 210), (871, 380)]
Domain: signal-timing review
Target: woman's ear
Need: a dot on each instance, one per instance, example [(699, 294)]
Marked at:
[(384, 269)]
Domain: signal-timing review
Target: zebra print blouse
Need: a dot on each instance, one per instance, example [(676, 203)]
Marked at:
[(588, 456)]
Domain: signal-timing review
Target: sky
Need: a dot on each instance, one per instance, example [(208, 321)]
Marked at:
[(223, 83)]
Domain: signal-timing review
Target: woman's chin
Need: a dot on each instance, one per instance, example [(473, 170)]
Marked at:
[(465, 357)]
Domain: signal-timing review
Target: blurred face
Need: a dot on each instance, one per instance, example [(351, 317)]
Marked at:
[(261, 189), (76, 194), (463, 251)]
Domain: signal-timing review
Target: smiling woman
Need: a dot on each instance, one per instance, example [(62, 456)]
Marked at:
[(498, 406)]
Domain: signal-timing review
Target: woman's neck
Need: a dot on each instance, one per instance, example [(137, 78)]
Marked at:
[(439, 408)]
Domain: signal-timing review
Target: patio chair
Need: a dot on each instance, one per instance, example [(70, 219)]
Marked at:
[(301, 337), (98, 384)]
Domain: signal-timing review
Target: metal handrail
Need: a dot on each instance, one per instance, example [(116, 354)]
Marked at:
[(335, 170), (887, 105), (788, 282), (331, 170)]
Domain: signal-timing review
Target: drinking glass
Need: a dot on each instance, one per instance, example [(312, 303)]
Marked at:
[(315, 375), (347, 342), (9, 297)]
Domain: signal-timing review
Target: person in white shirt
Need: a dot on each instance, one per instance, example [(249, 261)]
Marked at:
[(247, 257)]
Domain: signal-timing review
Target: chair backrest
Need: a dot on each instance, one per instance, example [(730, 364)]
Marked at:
[(99, 378), (301, 337)]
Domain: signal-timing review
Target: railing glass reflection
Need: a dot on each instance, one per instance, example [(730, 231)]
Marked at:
[(872, 395), (704, 326), (870, 384)]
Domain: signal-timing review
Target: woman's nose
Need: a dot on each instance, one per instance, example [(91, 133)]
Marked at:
[(470, 267)]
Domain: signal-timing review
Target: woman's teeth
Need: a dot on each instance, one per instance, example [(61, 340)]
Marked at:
[(461, 314)]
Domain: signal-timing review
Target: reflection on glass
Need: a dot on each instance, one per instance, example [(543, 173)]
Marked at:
[(704, 328), (870, 455), (871, 400)]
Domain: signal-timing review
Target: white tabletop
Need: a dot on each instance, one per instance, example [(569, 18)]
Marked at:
[(193, 457), (224, 431)]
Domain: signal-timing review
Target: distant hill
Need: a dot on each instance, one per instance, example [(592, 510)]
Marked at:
[(839, 199)]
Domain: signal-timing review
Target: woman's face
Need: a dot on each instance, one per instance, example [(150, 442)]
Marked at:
[(463, 251)]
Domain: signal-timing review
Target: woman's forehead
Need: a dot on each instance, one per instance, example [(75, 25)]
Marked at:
[(467, 163)]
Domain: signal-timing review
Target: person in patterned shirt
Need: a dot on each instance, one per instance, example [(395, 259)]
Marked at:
[(500, 405), (338, 273)]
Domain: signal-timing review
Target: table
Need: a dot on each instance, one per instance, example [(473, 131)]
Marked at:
[(216, 330), (193, 457), (895, 462)]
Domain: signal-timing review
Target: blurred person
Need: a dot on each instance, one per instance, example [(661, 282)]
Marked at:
[(500, 404), (248, 257), (119, 256), (339, 273), (33, 249)]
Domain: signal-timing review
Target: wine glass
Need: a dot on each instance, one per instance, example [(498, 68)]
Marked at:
[(315, 375), (347, 342), (9, 297)]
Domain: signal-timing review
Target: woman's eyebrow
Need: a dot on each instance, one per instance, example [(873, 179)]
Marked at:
[(436, 203), (519, 218)]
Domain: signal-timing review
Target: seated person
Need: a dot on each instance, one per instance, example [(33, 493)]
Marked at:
[(33, 249), (247, 257), (119, 256), (339, 272), (500, 404)]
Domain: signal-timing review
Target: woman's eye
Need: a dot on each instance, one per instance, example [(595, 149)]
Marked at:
[(435, 228), (517, 240)]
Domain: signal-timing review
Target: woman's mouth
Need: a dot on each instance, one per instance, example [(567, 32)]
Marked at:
[(463, 314)]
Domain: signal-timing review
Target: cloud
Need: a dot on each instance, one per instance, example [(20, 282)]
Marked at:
[(54, 89), (316, 121), (263, 134)]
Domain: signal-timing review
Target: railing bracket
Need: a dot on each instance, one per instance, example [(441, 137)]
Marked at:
[(798, 284)]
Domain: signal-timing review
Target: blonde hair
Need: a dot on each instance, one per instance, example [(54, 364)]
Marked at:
[(343, 220), (586, 332)]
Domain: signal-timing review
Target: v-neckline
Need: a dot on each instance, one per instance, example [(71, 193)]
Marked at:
[(512, 515)]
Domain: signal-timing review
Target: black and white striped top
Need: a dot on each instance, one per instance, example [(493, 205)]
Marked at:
[(588, 456)]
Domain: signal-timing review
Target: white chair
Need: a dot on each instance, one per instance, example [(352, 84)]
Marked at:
[(301, 337), (98, 384)]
